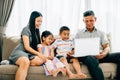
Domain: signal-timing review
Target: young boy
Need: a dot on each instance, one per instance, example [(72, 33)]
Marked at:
[(64, 48)]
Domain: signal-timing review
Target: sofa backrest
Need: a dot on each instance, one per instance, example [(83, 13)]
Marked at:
[(9, 43)]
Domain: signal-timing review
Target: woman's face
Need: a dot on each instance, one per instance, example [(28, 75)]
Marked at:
[(38, 22)]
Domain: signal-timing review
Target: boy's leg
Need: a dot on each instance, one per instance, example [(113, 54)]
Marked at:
[(115, 58), (93, 66), (70, 74), (77, 67)]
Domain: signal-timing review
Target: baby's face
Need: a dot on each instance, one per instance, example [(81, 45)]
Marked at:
[(48, 40), (65, 34)]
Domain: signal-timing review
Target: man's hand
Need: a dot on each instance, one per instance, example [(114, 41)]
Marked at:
[(104, 52), (101, 55)]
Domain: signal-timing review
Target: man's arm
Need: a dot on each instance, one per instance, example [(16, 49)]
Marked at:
[(106, 48), (104, 53)]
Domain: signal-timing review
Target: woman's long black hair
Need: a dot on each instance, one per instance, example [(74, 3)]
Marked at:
[(35, 32)]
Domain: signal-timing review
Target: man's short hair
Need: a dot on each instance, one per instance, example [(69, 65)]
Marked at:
[(88, 13)]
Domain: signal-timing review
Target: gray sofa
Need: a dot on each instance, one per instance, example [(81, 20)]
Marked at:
[(7, 72)]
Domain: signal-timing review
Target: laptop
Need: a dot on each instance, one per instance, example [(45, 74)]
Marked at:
[(86, 47)]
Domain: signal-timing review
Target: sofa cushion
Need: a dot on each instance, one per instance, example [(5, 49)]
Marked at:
[(9, 43), (109, 69), (7, 72)]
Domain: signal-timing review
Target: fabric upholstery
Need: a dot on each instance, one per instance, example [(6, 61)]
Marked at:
[(7, 72)]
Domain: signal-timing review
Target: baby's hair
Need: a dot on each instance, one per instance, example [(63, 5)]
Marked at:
[(45, 34), (64, 28)]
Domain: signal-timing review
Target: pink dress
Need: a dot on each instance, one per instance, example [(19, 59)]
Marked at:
[(50, 64)]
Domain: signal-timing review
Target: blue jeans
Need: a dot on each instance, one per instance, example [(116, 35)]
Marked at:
[(93, 65)]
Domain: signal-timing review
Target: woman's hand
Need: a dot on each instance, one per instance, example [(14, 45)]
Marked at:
[(42, 57)]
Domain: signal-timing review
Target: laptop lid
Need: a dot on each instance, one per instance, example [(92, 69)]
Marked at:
[(86, 46)]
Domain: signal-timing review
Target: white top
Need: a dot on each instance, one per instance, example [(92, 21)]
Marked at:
[(63, 47)]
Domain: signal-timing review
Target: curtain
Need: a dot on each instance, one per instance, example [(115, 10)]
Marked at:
[(67, 12), (5, 10), (56, 13), (107, 13)]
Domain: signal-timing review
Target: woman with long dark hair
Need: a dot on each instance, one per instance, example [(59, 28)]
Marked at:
[(26, 54)]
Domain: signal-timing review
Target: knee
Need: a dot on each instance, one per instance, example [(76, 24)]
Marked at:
[(36, 61), (24, 62), (91, 61), (74, 60), (63, 59)]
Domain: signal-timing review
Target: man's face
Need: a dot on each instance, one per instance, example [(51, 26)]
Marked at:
[(89, 21)]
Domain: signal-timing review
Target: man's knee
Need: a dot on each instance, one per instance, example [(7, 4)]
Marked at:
[(91, 61)]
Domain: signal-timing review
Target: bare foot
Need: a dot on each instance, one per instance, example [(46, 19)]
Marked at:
[(63, 70), (54, 73), (72, 76), (81, 75)]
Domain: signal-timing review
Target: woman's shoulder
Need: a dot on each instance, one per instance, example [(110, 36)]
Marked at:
[(26, 31), (26, 28)]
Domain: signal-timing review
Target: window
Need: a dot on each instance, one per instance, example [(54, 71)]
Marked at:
[(57, 13)]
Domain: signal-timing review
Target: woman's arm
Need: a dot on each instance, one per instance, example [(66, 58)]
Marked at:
[(27, 46)]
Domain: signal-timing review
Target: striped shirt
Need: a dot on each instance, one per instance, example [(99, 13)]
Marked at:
[(63, 47)]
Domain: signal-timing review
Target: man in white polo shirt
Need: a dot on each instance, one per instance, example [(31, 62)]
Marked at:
[(92, 62)]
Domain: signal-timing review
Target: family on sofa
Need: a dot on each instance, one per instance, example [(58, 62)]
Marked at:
[(27, 54)]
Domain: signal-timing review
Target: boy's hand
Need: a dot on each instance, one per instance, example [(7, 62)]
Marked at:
[(70, 54)]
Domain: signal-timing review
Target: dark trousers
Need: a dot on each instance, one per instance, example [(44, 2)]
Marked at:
[(93, 65)]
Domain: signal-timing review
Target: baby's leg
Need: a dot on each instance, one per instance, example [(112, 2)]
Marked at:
[(63, 70), (51, 68), (54, 72)]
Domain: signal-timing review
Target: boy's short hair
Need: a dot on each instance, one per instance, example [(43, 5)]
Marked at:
[(64, 28), (88, 13)]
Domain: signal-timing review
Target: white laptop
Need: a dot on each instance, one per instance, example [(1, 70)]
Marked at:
[(86, 46)]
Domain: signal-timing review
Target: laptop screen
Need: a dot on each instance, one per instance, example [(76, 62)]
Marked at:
[(86, 46)]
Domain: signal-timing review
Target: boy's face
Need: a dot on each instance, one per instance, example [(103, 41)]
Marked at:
[(65, 34)]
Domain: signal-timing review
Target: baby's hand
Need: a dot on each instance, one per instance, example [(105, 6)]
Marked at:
[(50, 57)]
